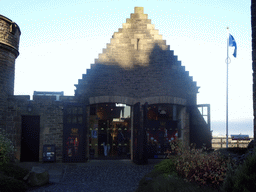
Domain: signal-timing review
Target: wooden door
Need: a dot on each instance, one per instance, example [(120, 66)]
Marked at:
[(74, 133), (30, 138)]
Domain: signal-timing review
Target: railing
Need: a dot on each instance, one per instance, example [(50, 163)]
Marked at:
[(220, 142)]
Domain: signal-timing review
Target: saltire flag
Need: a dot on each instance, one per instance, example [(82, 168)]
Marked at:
[(232, 43)]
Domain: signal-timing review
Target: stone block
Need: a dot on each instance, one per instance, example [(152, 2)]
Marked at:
[(38, 176), (126, 25), (150, 26), (138, 10), (158, 37)]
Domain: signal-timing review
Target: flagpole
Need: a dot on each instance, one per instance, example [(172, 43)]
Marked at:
[(227, 61)]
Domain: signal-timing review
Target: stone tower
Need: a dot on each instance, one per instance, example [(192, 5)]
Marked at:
[(9, 46)]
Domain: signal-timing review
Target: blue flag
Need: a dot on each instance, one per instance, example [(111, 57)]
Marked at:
[(232, 43)]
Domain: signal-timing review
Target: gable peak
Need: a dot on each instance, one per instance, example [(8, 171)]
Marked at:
[(139, 10)]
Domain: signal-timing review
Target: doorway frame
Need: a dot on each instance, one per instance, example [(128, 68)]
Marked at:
[(131, 124), (22, 132)]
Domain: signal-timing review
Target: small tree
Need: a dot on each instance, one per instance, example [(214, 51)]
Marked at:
[(6, 148)]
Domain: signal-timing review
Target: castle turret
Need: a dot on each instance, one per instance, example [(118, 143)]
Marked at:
[(9, 46)]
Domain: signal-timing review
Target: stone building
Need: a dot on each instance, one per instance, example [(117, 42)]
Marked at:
[(134, 101)]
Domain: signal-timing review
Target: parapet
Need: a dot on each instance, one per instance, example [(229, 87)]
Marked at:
[(9, 35), (51, 96)]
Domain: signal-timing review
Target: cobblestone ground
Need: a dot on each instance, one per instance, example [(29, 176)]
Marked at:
[(99, 176)]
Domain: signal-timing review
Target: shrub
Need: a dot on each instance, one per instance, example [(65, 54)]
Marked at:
[(161, 183), (197, 166), (242, 178), (6, 148), (166, 166), (14, 171), (11, 177), (10, 184)]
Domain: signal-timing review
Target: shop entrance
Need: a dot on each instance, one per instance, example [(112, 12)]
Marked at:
[(110, 131), (162, 128)]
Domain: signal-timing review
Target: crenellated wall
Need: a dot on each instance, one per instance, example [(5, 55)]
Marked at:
[(50, 112)]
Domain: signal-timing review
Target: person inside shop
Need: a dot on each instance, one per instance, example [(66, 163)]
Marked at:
[(120, 138), (106, 148)]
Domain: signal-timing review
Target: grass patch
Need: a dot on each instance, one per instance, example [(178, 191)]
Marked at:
[(166, 166)]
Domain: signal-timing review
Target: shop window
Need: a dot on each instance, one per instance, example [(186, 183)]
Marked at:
[(74, 120), (80, 110), (80, 119), (74, 110), (69, 119), (69, 111)]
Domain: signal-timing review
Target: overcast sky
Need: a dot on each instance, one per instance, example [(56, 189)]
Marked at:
[(60, 39)]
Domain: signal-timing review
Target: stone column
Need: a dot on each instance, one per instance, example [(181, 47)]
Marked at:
[(184, 117), (87, 133), (132, 129)]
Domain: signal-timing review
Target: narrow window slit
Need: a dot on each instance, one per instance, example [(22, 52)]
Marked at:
[(138, 44)]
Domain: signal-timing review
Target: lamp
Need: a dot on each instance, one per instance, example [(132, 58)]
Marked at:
[(29, 107)]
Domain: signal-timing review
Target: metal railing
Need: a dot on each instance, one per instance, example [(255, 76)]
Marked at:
[(220, 142)]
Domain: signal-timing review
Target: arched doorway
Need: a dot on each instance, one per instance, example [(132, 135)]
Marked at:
[(110, 131)]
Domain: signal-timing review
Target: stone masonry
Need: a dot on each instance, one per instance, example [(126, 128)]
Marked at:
[(137, 66), (51, 120), (9, 46)]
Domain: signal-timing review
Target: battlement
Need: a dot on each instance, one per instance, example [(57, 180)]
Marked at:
[(9, 35)]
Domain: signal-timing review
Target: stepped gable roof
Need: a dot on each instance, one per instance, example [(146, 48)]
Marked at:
[(132, 44), (136, 50)]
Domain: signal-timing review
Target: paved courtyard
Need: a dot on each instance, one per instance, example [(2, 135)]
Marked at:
[(93, 176)]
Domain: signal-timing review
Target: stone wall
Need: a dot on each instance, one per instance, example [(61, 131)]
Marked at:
[(137, 64), (185, 127), (200, 132), (9, 45), (9, 33), (51, 120)]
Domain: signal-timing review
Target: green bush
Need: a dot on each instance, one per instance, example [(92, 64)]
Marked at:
[(6, 148), (166, 166), (10, 184), (12, 170), (243, 177), (11, 177), (162, 183)]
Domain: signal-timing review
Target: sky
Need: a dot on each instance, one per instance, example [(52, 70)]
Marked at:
[(60, 39)]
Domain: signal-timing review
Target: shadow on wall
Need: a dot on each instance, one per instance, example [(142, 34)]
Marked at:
[(160, 75), (199, 130)]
